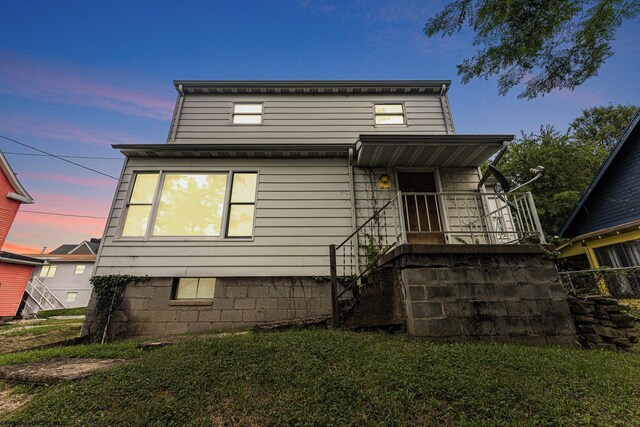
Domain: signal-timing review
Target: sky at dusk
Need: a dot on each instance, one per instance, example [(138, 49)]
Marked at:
[(78, 76)]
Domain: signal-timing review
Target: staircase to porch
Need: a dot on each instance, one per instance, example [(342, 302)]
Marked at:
[(435, 219), (38, 296)]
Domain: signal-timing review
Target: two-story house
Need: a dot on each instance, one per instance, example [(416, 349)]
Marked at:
[(231, 219), (63, 279), (15, 269)]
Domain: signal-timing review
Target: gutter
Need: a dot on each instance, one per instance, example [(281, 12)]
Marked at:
[(352, 193)]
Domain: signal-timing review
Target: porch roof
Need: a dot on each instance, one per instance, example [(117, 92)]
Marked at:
[(427, 150)]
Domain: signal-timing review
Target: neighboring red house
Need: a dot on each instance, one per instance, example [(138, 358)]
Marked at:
[(15, 269)]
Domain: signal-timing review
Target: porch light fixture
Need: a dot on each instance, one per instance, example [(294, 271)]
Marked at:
[(384, 183)]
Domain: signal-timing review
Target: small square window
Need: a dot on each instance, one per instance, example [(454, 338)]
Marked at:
[(79, 269), (195, 288), (389, 114), (247, 114), (71, 296)]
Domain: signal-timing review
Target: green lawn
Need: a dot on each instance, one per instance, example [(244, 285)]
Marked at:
[(78, 311), (32, 333), (318, 377)]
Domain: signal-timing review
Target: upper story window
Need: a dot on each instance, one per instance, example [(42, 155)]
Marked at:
[(79, 269), (389, 114), (48, 271), (191, 205), (247, 114)]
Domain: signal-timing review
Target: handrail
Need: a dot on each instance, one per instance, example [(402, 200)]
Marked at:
[(371, 218), (369, 268)]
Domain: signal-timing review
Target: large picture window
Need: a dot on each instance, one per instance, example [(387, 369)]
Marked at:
[(191, 205)]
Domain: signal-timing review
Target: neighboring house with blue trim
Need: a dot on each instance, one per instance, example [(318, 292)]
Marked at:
[(604, 227)]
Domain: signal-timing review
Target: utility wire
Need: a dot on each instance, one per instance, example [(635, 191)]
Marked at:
[(64, 157), (58, 157), (57, 214)]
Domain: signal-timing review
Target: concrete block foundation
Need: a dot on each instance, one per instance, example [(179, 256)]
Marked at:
[(488, 293)]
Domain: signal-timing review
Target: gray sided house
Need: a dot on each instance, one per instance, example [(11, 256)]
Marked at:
[(63, 280), (233, 217)]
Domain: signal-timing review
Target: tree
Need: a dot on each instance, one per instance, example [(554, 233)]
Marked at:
[(550, 43), (602, 126), (569, 168)]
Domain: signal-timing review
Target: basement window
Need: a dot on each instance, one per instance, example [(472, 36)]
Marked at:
[(389, 114), (247, 114), (71, 296), (194, 288)]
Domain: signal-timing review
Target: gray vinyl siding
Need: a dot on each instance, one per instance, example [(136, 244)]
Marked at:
[(303, 119), (65, 280), (303, 205)]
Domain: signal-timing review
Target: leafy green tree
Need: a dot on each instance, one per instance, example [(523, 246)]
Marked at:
[(550, 43), (569, 168), (602, 126)]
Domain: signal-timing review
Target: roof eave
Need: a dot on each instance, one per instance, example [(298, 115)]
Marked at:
[(221, 86), (21, 195), (635, 122)]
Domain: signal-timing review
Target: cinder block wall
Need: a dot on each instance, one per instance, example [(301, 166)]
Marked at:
[(483, 293), (239, 303)]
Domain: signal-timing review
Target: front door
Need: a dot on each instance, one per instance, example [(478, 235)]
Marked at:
[(422, 218)]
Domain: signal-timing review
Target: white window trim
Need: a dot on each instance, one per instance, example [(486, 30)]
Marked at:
[(234, 114), (404, 115), (156, 201)]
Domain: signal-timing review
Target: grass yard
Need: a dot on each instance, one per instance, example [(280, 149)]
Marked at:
[(24, 334), (78, 311), (336, 378)]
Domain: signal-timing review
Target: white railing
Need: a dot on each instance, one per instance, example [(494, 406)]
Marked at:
[(41, 295), (619, 282), (470, 218)]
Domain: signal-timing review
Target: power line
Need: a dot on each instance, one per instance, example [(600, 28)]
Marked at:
[(58, 157), (64, 157), (56, 214)]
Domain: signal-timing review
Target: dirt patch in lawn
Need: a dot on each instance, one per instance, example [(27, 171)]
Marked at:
[(56, 370), (10, 400)]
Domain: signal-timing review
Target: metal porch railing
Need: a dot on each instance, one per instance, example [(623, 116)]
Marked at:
[(359, 253), (621, 282), (470, 218)]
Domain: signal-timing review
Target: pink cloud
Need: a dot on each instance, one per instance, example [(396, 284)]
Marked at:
[(70, 179), (20, 249), (77, 205), (45, 128), (44, 80)]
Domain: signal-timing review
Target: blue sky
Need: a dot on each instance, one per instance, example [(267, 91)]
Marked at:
[(76, 76)]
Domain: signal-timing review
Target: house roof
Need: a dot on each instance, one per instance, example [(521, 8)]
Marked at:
[(90, 246), (20, 194), (381, 150), (11, 258), (64, 257), (624, 138), (63, 249), (311, 87)]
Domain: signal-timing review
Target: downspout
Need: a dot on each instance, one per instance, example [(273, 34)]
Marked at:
[(354, 216), (505, 147), (446, 111), (178, 114)]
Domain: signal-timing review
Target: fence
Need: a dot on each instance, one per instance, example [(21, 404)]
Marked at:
[(623, 282)]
